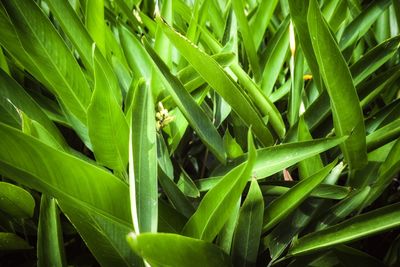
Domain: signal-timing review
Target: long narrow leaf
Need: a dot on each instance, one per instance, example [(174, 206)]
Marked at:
[(143, 162), (347, 114), (364, 225), (218, 203)]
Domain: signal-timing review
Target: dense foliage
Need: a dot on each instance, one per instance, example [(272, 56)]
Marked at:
[(199, 133)]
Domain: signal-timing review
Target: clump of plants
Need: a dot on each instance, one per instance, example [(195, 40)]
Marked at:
[(199, 133)]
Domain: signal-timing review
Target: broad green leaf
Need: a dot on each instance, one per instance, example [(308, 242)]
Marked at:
[(51, 62), (273, 159), (276, 52), (247, 40), (143, 161), (104, 235), (73, 27), (283, 205), (347, 114), (11, 241), (95, 22), (362, 23), (138, 59), (16, 201), (357, 227), (217, 205), (215, 76), (108, 128), (176, 250), (60, 175), (50, 245), (192, 112), (248, 229), (12, 92)]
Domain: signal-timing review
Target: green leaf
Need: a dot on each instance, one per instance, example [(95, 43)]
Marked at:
[(12, 92), (175, 195), (61, 175), (95, 22), (385, 174), (273, 159), (261, 19), (176, 250), (10, 241), (248, 230), (283, 205), (138, 59), (50, 245), (108, 128), (374, 59), (51, 62), (192, 112), (362, 23), (311, 165), (215, 76), (247, 40), (74, 29), (218, 204), (326, 191), (358, 227), (225, 237), (342, 209), (298, 11), (187, 186), (276, 52), (347, 114), (383, 135), (143, 162), (104, 235), (232, 148), (261, 101), (16, 201)]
